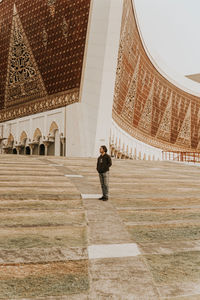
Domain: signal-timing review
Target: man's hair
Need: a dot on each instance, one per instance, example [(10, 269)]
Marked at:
[(104, 148)]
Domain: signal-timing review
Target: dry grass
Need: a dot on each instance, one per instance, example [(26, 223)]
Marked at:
[(179, 267)]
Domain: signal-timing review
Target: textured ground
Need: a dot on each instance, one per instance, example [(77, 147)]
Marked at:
[(45, 229)]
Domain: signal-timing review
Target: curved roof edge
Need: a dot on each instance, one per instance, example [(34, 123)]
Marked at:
[(185, 84)]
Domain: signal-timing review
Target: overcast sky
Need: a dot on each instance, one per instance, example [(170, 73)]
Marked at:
[(171, 28)]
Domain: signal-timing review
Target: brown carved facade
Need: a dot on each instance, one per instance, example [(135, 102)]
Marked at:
[(42, 46), (147, 105)]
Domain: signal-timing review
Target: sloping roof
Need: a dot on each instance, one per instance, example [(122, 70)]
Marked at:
[(41, 48)]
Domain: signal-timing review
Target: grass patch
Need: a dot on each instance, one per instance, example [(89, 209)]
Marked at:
[(179, 267), (41, 218), (50, 285), (155, 201), (73, 237), (164, 233), (159, 216), (40, 205)]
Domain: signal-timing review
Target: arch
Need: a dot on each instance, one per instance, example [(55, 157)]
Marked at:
[(53, 128), (14, 151), (37, 135), (42, 149), (10, 139), (23, 138), (28, 150)]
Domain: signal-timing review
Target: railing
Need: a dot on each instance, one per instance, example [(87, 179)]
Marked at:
[(182, 156)]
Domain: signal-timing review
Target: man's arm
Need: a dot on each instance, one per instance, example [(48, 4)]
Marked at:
[(109, 161)]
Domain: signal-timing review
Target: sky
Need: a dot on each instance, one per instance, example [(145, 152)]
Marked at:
[(171, 30)]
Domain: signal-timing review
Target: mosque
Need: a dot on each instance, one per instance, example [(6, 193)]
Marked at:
[(77, 74)]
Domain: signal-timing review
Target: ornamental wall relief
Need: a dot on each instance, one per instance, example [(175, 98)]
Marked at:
[(52, 7), (184, 136), (23, 77), (164, 130), (65, 28), (146, 118), (129, 103)]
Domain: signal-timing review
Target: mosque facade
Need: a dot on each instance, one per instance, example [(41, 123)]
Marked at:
[(76, 74)]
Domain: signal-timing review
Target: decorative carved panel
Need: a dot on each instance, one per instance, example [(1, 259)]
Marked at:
[(146, 118), (42, 46), (184, 136), (24, 81), (164, 131), (163, 115), (129, 103)]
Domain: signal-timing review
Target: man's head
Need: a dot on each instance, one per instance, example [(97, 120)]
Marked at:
[(103, 149)]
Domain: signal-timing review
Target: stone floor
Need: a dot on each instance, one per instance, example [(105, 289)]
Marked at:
[(144, 243)]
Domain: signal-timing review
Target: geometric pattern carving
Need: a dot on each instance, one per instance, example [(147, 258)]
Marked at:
[(146, 118), (40, 105), (65, 28), (23, 77), (120, 68), (184, 136), (160, 114), (53, 61), (44, 38), (179, 107), (164, 130), (52, 7), (128, 108)]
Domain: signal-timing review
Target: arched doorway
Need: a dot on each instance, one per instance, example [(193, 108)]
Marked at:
[(28, 150), (35, 149), (14, 151), (42, 149), (54, 147), (36, 138)]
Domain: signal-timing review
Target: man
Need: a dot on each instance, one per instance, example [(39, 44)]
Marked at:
[(104, 162)]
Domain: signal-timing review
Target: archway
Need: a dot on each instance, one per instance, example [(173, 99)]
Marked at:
[(14, 151), (23, 138), (37, 135), (36, 149), (53, 128), (28, 150), (42, 149), (54, 148), (21, 150), (36, 138), (51, 149)]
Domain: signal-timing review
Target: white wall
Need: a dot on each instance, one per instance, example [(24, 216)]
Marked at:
[(31, 123), (89, 122), (121, 140)]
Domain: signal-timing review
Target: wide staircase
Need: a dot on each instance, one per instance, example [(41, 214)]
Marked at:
[(58, 241)]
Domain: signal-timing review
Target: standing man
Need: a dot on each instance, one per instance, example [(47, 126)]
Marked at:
[(104, 162)]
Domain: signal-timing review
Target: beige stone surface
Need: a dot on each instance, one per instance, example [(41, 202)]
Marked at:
[(154, 204)]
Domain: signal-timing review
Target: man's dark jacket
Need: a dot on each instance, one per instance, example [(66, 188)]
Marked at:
[(104, 162)]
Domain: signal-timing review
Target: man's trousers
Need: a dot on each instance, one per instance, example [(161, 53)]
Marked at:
[(104, 180)]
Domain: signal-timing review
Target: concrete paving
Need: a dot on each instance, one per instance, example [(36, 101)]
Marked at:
[(144, 243)]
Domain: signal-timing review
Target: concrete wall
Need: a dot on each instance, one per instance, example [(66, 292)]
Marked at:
[(89, 122)]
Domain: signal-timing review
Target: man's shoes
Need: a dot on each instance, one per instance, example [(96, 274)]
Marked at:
[(103, 198)]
